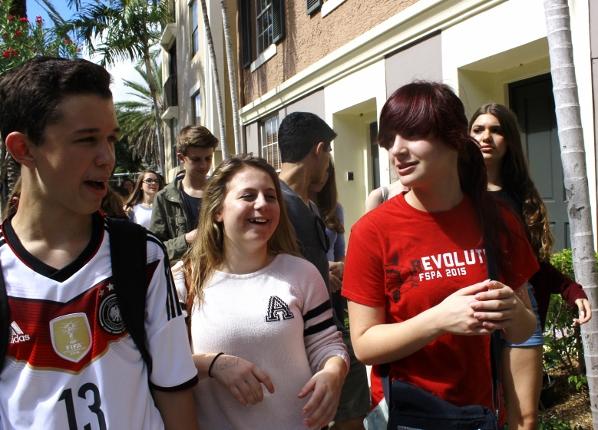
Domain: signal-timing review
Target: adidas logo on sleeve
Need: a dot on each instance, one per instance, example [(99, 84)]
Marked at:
[(16, 334)]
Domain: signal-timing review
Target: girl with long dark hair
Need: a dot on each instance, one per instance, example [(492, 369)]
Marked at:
[(139, 204), (416, 274), (494, 126)]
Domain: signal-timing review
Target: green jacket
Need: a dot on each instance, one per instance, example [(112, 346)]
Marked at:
[(170, 221)]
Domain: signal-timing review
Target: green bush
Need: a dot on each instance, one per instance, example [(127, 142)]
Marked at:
[(563, 261), (563, 347)]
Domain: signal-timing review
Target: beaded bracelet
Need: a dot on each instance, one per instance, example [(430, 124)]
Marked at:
[(212, 363)]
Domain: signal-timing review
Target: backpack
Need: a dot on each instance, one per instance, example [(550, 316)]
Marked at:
[(128, 257)]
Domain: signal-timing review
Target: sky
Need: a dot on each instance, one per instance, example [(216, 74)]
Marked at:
[(118, 71)]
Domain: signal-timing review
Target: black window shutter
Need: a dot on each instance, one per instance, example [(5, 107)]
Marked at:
[(313, 6), (278, 26), (246, 41)]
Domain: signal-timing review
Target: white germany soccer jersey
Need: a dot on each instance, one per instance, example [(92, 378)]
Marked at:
[(71, 364)]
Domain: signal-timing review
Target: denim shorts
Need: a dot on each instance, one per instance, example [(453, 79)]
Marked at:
[(537, 338)]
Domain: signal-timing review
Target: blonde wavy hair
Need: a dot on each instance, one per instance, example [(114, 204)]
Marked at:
[(206, 253)]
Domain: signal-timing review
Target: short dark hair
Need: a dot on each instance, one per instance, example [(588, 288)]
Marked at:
[(31, 92), (196, 136), (299, 132)]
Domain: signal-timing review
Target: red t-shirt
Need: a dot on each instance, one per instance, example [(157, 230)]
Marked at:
[(407, 261)]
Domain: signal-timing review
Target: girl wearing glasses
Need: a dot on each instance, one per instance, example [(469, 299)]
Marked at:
[(268, 353), (416, 273), (139, 204)]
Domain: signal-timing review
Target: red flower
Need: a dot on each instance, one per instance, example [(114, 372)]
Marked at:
[(38, 20), (10, 52), (18, 33), (23, 19), (11, 18)]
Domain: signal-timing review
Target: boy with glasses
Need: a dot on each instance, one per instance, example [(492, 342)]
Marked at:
[(176, 208)]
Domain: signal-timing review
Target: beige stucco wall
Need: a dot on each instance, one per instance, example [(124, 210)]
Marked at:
[(308, 39)]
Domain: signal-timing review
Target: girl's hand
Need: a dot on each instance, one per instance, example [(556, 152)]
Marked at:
[(585, 311), (336, 268), (456, 313), (242, 378), (496, 308), (325, 387)]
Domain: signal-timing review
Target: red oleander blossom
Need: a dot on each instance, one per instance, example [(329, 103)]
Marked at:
[(21, 40)]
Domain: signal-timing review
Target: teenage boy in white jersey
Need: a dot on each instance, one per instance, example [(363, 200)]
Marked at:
[(72, 363)]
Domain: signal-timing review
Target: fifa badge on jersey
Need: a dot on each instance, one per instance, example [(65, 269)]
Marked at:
[(71, 336)]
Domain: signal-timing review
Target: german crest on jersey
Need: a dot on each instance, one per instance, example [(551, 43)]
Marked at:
[(71, 336), (109, 313)]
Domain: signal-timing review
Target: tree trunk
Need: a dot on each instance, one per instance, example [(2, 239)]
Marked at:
[(575, 178), (18, 8), (149, 70), (232, 78), (219, 104)]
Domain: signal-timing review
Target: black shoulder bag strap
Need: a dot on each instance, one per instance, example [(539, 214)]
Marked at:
[(496, 341), (4, 320), (128, 255)]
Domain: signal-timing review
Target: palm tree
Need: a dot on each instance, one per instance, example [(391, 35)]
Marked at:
[(575, 177), (218, 89), (232, 77), (136, 116), (125, 29)]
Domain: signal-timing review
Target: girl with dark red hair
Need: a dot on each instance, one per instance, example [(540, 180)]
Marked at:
[(421, 305)]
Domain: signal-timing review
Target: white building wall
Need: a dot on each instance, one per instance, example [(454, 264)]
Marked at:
[(351, 103)]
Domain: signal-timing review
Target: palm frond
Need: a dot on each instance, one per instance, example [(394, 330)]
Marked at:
[(137, 117)]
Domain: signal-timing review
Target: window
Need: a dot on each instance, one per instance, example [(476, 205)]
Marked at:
[(194, 15), (170, 85), (172, 125), (262, 24), (196, 108), (326, 6), (269, 141), (313, 6)]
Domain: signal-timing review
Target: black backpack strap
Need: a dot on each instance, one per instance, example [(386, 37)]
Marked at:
[(4, 320), (128, 255)]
